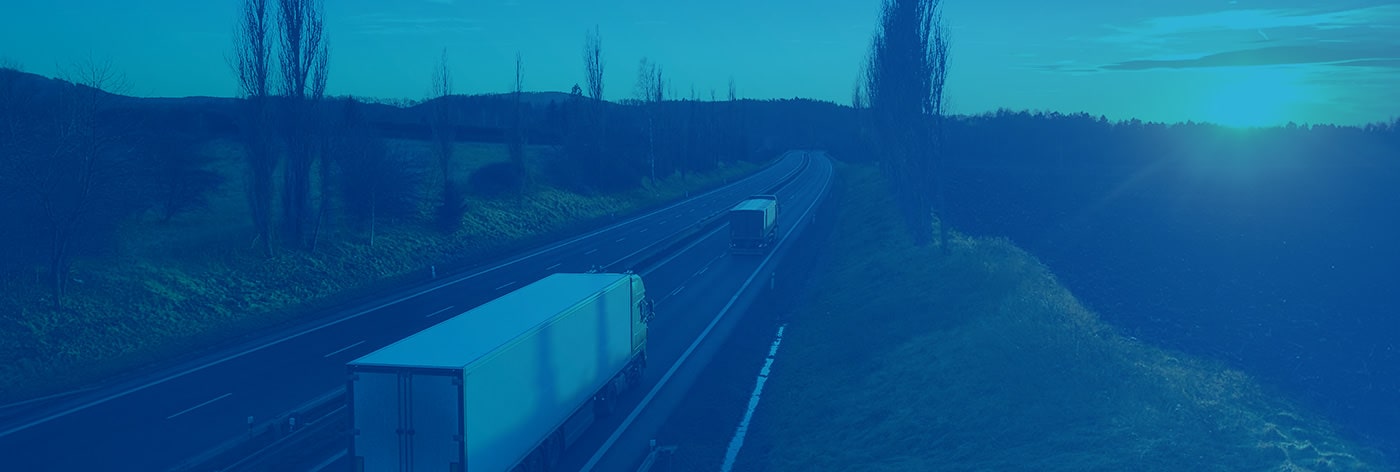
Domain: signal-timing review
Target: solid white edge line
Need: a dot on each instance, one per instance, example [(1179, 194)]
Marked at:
[(736, 443), (187, 410), (343, 349), (435, 288), (617, 433)]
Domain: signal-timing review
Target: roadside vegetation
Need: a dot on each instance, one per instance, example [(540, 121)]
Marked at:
[(178, 285), (908, 357)]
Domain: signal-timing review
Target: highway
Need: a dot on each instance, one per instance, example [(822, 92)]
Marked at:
[(154, 422), (699, 290)]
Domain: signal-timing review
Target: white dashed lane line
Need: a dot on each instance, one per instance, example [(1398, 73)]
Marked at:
[(346, 348), (187, 410), (435, 313)]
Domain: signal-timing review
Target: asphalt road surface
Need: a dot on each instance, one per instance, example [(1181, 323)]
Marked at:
[(158, 420), (700, 291)]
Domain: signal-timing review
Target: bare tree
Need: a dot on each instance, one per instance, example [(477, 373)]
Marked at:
[(251, 65), (320, 120), (593, 79), (302, 47), (905, 75), (517, 138), (593, 64), (76, 175), (443, 122), (375, 181), (650, 92)]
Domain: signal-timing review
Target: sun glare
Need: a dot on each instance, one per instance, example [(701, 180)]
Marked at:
[(1254, 96)]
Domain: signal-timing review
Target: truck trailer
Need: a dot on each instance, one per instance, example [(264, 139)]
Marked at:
[(753, 225), (505, 386)]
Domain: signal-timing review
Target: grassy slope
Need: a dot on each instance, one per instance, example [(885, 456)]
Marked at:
[(181, 286), (905, 360)]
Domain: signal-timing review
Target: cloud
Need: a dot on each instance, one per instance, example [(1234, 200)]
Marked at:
[(1265, 19), (1381, 63), (1316, 54), (381, 24), (1366, 36)]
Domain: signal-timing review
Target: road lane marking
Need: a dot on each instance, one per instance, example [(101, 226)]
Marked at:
[(646, 400), (737, 442), (621, 239), (553, 266), (710, 194), (644, 229), (506, 285), (697, 242), (187, 410), (435, 313), (590, 251), (327, 463), (674, 292), (343, 349), (702, 270)]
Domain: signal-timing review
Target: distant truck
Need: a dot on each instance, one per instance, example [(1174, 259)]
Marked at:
[(506, 386), (753, 225)]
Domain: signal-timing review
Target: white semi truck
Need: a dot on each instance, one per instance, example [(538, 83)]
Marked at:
[(506, 386), (753, 225)]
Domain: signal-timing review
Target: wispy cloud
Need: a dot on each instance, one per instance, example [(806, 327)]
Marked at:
[(382, 24), (1366, 36), (1317, 54), (1260, 20)]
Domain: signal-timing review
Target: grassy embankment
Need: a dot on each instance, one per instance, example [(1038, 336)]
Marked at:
[(178, 287), (905, 360)]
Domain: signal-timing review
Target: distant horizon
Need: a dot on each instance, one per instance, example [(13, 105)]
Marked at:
[(1231, 62), (410, 102)]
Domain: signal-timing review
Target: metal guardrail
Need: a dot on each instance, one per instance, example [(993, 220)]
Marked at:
[(658, 460), (275, 441), (289, 436)]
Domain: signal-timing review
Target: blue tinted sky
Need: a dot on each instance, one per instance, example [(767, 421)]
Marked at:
[(1232, 61)]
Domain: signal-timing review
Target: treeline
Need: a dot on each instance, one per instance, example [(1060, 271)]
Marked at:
[(79, 160)]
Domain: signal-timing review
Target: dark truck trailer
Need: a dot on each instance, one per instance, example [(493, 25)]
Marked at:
[(753, 225), (506, 386)]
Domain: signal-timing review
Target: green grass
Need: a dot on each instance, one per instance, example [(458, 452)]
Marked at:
[(907, 360), (176, 288)]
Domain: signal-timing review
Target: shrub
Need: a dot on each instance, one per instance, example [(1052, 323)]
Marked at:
[(495, 180)]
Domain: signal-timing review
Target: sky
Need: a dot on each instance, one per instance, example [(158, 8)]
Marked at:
[(1234, 62)]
